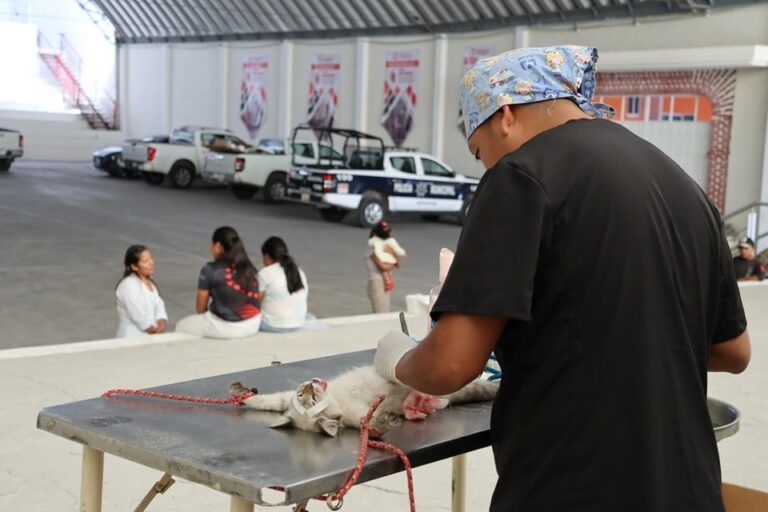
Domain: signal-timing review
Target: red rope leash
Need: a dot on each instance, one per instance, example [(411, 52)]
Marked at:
[(365, 431), (336, 500), (233, 399)]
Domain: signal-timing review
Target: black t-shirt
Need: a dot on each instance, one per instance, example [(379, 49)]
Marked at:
[(609, 263), (228, 301), (748, 268)]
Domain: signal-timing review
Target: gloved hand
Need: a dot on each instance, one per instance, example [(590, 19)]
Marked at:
[(391, 349)]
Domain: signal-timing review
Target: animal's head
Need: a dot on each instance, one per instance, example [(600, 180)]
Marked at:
[(312, 409)]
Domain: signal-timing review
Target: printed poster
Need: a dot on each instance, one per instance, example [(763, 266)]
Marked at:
[(253, 92), (323, 84), (471, 55), (401, 75)]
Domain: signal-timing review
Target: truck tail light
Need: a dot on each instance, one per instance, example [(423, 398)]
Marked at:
[(151, 152), (239, 164), (21, 141), (329, 183)]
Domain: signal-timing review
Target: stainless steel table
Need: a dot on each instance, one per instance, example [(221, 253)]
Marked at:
[(233, 450)]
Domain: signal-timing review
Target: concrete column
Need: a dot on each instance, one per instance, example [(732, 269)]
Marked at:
[(522, 37), (166, 93), (285, 90), (224, 73), (121, 86), (763, 212), (361, 83), (438, 99)]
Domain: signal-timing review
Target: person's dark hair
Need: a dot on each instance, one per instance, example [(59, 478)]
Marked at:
[(132, 257), (244, 272), (382, 230), (275, 248)]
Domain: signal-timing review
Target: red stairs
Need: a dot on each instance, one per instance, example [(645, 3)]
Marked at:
[(66, 67)]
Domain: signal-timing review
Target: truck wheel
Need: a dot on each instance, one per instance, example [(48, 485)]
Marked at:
[(243, 192), (464, 212), (332, 214), (274, 189), (372, 209), (5, 164), (153, 178), (182, 175)]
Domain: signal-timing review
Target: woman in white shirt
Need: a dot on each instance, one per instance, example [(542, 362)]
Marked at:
[(139, 307), (283, 287)]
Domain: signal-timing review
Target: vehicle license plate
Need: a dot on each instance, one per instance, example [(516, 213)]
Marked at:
[(305, 197)]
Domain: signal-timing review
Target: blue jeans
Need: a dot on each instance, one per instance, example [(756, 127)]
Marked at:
[(265, 327)]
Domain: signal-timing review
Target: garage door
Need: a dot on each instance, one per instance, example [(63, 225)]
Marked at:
[(677, 124)]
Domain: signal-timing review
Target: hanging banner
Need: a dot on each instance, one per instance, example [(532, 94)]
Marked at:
[(323, 84), (253, 92), (401, 74), (471, 55)]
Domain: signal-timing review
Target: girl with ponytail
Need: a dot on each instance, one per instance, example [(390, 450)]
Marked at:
[(283, 287), (228, 299), (140, 308)]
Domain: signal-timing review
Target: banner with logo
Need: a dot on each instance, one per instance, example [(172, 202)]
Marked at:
[(253, 92), (323, 85), (401, 75), (471, 55)]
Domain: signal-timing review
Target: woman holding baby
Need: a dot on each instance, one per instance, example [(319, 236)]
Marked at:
[(382, 256)]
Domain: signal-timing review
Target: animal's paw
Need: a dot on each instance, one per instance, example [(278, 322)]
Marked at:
[(237, 388), (417, 406), (386, 421)]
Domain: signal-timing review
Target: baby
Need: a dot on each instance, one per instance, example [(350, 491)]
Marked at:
[(387, 250)]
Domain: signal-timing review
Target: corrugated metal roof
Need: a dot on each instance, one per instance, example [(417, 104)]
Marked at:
[(142, 21)]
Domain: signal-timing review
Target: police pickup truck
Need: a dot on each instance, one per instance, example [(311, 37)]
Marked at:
[(372, 181)]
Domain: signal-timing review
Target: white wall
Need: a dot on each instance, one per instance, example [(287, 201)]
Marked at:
[(169, 85), (721, 27), (145, 108)]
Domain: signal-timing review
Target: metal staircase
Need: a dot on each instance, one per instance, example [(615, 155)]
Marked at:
[(96, 106)]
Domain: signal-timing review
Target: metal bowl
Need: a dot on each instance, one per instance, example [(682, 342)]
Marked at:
[(725, 418)]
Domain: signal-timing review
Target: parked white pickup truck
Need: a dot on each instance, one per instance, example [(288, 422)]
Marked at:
[(11, 147), (248, 173), (180, 159)]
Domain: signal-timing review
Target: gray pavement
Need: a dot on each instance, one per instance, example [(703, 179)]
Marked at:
[(64, 229)]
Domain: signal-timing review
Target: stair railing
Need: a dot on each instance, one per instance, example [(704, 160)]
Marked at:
[(752, 227), (67, 67)]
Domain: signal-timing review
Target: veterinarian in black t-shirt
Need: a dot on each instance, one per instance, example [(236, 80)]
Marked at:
[(564, 270)]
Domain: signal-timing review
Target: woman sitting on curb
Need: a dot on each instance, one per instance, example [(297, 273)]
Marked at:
[(283, 287), (228, 301), (140, 308)]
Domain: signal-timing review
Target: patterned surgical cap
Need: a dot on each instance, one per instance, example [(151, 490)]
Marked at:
[(530, 75)]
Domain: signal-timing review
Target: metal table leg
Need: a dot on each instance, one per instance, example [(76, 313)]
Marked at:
[(459, 483), (92, 480), (240, 505)]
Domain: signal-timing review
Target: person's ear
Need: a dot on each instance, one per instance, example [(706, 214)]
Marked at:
[(506, 121), (329, 426)]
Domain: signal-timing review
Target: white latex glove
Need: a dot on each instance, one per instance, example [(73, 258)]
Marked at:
[(391, 349)]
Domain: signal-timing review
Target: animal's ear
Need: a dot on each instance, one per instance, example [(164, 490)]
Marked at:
[(329, 426), (282, 422)]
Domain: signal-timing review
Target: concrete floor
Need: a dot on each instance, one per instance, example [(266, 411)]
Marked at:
[(64, 229), (32, 460)]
